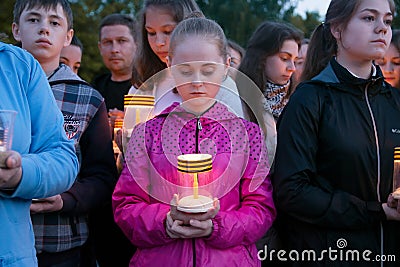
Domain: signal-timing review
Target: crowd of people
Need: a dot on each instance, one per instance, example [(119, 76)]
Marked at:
[(299, 135)]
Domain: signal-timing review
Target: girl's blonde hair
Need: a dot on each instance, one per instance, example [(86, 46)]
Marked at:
[(199, 26)]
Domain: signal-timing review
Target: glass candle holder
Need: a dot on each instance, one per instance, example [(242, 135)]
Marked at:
[(117, 126), (195, 176), (7, 118), (396, 173), (138, 108)]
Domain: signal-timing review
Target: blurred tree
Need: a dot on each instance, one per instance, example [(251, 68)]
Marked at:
[(307, 24), (238, 18), (396, 21)]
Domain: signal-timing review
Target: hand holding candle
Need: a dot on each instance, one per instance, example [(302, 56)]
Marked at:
[(185, 217)]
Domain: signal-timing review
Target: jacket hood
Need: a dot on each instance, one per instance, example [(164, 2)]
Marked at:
[(218, 112), (65, 74)]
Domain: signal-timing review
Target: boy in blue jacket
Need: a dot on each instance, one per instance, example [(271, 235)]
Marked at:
[(40, 150), (60, 222)]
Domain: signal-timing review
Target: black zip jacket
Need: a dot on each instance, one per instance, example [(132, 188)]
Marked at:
[(333, 168)]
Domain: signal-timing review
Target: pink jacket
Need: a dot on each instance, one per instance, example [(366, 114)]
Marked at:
[(146, 186)]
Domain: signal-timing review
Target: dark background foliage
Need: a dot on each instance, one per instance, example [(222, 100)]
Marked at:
[(238, 18)]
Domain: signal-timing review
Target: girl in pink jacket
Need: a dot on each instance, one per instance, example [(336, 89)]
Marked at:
[(143, 201)]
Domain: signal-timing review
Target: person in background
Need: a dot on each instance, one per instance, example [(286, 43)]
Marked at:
[(40, 149), (117, 46), (236, 53), (60, 221), (72, 55), (157, 20), (299, 63), (390, 63), (3, 36), (225, 235), (270, 65), (332, 176)]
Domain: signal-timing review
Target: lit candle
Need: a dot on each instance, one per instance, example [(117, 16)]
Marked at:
[(396, 173), (133, 107), (137, 103), (193, 164), (195, 186), (194, 171), (137, 117)]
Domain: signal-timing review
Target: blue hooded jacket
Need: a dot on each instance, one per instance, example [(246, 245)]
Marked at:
[(49, 163)]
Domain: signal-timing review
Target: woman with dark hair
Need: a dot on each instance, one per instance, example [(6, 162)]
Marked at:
[(157, 20), (299, 63), (269, 63), (390, 63), (333, 168), (236, 52)]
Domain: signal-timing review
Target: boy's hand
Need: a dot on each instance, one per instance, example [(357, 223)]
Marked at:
[(49, 204), (11, 174)]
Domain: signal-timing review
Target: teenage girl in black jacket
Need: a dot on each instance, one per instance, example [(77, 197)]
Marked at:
[(334, 161)]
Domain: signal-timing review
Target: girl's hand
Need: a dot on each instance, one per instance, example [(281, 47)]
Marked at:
[(196, 229), (392, 214), (393, 203)]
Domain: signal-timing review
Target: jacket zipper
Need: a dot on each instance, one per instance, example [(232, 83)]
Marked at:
[(199, 127), (194, 252), (378, 183)]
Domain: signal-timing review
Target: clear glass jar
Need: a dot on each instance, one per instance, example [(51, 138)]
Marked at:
[(396, 173), (137, 108), (195, 179)]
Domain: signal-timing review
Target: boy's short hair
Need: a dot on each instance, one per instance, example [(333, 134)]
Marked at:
[(21, 5), (119, 19)]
